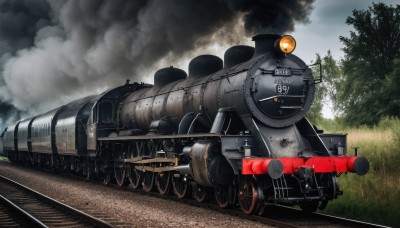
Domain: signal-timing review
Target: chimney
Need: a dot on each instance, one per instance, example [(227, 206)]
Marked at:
[(237, 54), (167, 75), (264, 43), (204, 65)]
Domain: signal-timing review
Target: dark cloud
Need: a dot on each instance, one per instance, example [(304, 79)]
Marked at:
[(274, 16), (55, 51), (19, 22)]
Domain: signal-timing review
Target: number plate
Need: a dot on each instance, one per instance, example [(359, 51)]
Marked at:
[(282, 72)]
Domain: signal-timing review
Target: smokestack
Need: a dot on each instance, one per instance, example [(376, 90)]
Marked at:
[(204, 65), (237, 54), (167, 75), (264, 43)]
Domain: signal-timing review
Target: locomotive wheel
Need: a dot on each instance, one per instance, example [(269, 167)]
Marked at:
[(180, 186), (148, 181), (225, 196), (134, 177), (249, 196), (119, 173), (107, 177), (309, 206), (332, 186), (163, 182), (199, 193)]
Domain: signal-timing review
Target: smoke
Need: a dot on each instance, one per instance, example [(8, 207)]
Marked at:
[(57, 50), (272, 16)]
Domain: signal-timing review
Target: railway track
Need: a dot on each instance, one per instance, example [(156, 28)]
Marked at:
[(287, 217), (277, 216), (24, 207), (291, 217), (11, 217)]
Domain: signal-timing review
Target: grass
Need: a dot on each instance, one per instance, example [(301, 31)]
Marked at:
[(3, 158), (374, 197)]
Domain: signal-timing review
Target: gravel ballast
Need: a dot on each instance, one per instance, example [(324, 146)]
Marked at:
[(132, 209)]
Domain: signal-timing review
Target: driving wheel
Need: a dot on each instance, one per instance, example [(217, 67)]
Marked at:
[(119, 172), (134, 177), (250, 197), (163, 182), (179, 185), (148, 181), (225, 196), (199, 193)]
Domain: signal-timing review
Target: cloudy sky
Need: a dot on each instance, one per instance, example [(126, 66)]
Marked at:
[(55, 51), (327, 24)]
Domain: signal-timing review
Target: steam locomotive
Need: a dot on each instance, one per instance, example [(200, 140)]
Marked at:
[(232, 131)]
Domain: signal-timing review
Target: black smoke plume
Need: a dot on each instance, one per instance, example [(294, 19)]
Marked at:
[(57, 50)]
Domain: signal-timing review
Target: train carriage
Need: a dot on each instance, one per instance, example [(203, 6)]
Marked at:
[(10, 145), (43, 132), (24, 140), (24, 135), (70, 127)]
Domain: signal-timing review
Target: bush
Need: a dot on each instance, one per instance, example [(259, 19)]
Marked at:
[(374, 197)]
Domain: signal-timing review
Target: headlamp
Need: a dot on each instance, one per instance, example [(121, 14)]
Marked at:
[(286, 44)]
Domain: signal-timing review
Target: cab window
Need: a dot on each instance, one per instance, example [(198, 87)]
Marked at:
[(106, 112)]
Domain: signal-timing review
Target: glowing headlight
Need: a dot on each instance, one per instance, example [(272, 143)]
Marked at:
[(286, 44)]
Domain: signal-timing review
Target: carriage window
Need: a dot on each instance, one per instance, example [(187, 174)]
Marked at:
[(106, 112), (93, 116)]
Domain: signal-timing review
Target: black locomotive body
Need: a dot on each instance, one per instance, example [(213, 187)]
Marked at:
[(234, 128)]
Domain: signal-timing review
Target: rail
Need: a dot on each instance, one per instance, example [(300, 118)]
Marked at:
[(42, 210)]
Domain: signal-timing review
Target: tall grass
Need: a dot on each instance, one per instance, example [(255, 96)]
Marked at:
[(374, 197)]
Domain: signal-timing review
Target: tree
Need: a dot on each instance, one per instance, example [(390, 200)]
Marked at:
[(326, 91), (315, 113), (332, 78), (391, 91), (370, 52)]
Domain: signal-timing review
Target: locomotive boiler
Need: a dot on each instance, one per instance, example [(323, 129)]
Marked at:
[(232, 130)]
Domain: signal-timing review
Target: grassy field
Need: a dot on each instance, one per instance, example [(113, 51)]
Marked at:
[(3, 158), (374, 197)]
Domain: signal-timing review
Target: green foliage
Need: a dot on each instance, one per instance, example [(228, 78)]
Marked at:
[(327, 89), (369, 67), (333, 76), (391, 91), (336, 125), (315, 113), (375, 196)]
